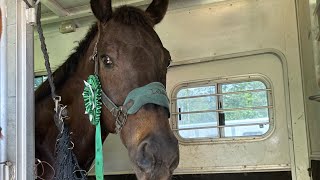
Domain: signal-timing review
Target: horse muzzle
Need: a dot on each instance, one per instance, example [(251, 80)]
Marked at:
[(157, 157)]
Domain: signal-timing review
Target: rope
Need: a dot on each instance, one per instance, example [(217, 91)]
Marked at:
[(45, 52), (27, 3), (66, 165), (41, 163)]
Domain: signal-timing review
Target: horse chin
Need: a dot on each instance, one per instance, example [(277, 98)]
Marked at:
[(156, 174), (152, 147)]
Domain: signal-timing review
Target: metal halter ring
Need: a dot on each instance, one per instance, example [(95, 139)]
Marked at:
[(56, 100), (121, 117)]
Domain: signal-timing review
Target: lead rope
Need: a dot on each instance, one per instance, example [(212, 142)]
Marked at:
[(66, 164)]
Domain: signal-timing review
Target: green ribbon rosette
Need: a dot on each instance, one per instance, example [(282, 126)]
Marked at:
[(93, 105)]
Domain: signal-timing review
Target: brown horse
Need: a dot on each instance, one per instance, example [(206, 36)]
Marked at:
[(135, 57)]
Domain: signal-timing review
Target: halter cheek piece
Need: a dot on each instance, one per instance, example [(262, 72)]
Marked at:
[(153, 93)]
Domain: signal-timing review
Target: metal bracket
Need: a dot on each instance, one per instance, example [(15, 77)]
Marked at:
[(57, 101), (8, 170), (31, 16)]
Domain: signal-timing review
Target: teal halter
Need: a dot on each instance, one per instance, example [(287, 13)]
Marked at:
[(153, 93)]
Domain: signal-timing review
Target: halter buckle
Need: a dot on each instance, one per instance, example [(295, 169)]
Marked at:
[(95, 51), (121, 116), (61, 113), (94, 56)]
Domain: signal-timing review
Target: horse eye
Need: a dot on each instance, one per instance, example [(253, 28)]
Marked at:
[(106, 60)]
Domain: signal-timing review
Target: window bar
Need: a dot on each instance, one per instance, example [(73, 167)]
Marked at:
[(224, 110), (217, 107), (221, 94), (219, 103), (231, 125)]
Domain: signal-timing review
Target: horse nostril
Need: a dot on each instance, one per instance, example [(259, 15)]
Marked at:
[(145, 157)]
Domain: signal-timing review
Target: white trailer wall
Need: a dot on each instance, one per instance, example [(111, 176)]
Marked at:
[(242, 26), (11, 75), (310, 51), (8, 82), (19, 128)]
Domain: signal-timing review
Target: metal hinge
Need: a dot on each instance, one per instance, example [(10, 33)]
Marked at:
[(31, 16), (8, 170)]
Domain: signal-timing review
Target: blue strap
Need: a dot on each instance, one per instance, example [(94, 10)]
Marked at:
[(153, 93)]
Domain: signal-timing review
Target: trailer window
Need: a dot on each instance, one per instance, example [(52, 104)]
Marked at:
[(222, 110), (38, 80)]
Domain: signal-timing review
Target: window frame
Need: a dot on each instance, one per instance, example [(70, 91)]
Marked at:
[(218, 82)]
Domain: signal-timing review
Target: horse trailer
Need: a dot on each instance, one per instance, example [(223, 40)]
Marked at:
[(243, 85)]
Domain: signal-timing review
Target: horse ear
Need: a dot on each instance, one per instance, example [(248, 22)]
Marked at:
[(102, 9), (157, 9)]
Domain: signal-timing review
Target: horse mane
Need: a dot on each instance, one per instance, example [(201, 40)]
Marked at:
[(126, 15), (69, 66)]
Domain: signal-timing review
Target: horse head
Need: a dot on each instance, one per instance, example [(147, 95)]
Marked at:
[(131, 60)]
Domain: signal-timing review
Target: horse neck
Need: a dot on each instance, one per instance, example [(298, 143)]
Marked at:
[(83, 133)]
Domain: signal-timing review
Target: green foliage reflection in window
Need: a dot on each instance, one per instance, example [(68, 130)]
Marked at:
[(38, 80), (223, 110)]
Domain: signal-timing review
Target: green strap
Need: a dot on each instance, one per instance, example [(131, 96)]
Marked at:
[(99, 154)]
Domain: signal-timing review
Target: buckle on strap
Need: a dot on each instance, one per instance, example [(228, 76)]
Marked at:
[(61, 113), (57, 101), (121, 115)]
